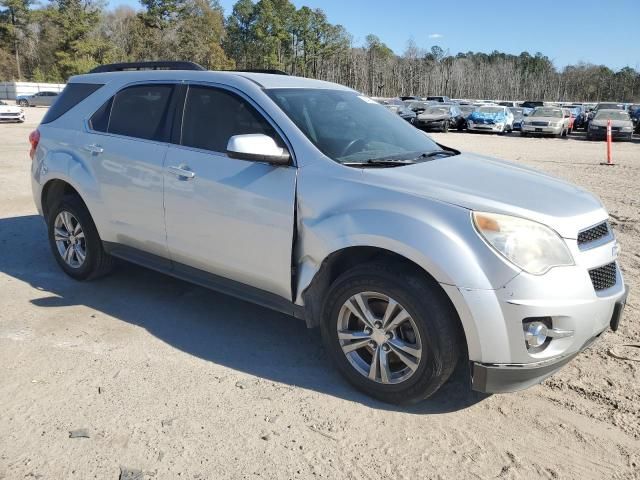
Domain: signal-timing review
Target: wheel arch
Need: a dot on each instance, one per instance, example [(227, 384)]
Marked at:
[(54, 190), (340, 261)]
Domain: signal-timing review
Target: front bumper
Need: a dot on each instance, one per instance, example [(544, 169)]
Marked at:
[(540, 130), (502, 378), (485, 127), (12, 118), (601, 134), (428, 125)]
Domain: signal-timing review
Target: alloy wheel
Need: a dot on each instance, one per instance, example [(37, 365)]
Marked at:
[(379, 337), (70, 239)]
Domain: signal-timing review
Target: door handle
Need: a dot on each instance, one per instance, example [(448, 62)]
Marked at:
[(182, 172), (93, 148)]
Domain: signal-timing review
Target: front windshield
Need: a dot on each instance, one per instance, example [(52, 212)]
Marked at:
[(436, 110), (547, 112), (348, 127), (467, 108), (517, 112), (490, 110), (611, 115)]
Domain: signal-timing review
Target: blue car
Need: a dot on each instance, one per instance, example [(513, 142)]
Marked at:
[(490, 118)]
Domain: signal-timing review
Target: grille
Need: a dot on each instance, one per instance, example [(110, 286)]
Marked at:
[(540, 124), (603, 277), (594, 233)]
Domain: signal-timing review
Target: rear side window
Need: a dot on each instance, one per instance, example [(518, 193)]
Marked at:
[(212, 116), (137, 111), (72, 94)]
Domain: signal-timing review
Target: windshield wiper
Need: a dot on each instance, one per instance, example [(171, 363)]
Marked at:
[(435, 153), (380, 162), (391, 162)]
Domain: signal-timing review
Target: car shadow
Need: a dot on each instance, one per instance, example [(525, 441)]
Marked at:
[(200, 322)]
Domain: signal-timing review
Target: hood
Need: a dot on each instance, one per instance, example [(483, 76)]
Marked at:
[(487, 116), (544, 119), (486, 184), (614, 123), (10, 109)]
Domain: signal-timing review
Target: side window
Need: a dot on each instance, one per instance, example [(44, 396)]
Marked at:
[(212, 116), (137, 111)]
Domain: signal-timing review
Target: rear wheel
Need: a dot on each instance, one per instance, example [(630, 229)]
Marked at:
[(392, 333), (74, 240)]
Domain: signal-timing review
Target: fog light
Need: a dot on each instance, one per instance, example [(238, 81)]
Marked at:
[(535, 334)]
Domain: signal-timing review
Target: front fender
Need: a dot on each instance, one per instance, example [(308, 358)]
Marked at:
[(438, 237)]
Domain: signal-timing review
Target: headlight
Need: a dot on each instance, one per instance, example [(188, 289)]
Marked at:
[(627, 129), (531, 246), (470, 122), (499, 125)]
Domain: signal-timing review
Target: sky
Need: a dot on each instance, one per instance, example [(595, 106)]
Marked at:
[(567, 32)]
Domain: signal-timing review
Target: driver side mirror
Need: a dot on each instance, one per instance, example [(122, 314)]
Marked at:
[(257, 147)]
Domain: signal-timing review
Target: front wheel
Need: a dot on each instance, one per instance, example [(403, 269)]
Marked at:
[(392, 332)]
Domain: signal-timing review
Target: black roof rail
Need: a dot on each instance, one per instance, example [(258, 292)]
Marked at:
[(259, 70), (156, 65)]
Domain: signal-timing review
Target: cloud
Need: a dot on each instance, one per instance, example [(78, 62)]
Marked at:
[(436, 35)]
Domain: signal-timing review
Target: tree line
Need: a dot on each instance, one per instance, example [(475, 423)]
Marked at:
[(51, 42)]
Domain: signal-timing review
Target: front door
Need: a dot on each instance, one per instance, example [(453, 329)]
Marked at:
[(230, 217)]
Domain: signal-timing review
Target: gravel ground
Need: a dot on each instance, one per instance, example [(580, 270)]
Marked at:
[(169, 380)]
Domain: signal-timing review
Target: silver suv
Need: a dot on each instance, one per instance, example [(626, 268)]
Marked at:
[(312, 199)]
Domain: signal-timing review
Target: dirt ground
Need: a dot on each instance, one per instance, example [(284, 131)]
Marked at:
[(177, 381)]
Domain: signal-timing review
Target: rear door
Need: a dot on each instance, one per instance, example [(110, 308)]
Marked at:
[(125, 144), (229, 217)]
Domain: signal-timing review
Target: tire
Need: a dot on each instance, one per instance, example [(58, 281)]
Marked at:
[(433, 323), (96, 262), (23, 103)]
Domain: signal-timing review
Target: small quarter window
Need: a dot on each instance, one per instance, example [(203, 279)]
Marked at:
[(72, 94)]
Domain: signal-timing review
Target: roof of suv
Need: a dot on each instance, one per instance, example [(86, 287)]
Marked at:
[(264, 80)]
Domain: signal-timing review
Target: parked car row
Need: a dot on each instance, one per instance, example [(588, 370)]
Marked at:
[(440, 113)]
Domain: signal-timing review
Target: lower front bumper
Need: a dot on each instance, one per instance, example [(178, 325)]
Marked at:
[(542, 130), (495, 378), (485, 128), (502, 378), (602, 135), (429, 125)]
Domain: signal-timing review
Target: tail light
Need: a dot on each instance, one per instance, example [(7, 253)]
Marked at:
[(34, 139)]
